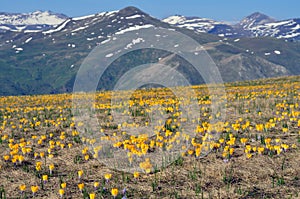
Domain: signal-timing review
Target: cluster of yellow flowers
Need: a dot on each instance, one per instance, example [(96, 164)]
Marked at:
[(41, 129)]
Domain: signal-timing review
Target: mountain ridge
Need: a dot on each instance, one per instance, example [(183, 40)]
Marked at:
[(47, 61), (255, 25)]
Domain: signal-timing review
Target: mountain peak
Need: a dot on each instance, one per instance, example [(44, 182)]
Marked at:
[(255, 19), (131, 10), (258, 15)]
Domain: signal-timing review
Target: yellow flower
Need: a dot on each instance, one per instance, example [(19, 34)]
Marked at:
[(34, 189), (198, 151), (80, 173), (107, 176), (42, 154), (260, 150), (249, 155), (190, 152), (22, 187), (45, 177), (224, 154), (244, 140), (63, 185), (61, 192), (51, 167), (114, 192), (96, 184), (6, 157), (268, 141), (285, 146), (81, 186), (38, 166), (84, 151), (35, 155), (92, 195), (146, 165), (136, 174)]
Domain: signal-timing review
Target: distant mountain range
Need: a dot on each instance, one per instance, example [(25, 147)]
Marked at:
[(41, 52), (255, 25), (31, 22)]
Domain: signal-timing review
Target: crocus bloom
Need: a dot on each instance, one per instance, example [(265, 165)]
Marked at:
[(34, 189), (92, 195), (63, 185), (51, 167), (81, 186), (6, 157), (61, 192), (107, 176), (96, 185), (38, 166), (22, 187), (114, 192), (136, 174), (80, 173), (45, 178)]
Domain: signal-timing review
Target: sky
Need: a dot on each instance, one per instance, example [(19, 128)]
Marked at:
[(222, 10)]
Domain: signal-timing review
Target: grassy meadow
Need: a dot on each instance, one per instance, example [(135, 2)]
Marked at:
[(46, 152)]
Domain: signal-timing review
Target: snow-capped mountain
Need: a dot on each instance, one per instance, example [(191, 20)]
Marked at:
[(287, 29), (30, 22), (260, 25), (254, 25), (34, 18), (193, 23), (203, 25), (46, 60), (254, 20)]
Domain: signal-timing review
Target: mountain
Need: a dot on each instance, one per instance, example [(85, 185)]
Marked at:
[(254, 25), (30, 22), (47, 61), (254, 20), (260, 25), (193, 23)]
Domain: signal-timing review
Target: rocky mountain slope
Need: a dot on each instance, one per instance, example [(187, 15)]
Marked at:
[(46, 61)]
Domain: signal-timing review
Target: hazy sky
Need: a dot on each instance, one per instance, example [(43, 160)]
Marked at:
[(226, 10)]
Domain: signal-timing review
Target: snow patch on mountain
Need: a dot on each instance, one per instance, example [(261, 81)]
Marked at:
[(133, 28), (277, 52), (34, 18), (80, 28), (58, 28), (192, 23), (83, 17), (134, 16), (28, 40)]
